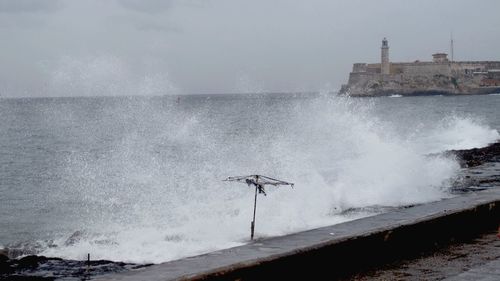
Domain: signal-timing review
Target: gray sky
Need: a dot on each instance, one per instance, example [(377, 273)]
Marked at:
[(115, 47)]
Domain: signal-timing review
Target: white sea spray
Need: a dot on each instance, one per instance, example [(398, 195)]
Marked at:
[(157, 194)]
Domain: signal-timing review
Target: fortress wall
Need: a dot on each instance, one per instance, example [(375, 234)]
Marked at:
[(439, 75), (359, 67), (361, 77), (373, 68), (367, 79), (418, 69), (485, 63), (396, 68), (424, 68), (353, 78), (465, 67), (420, 63), (471, 68)]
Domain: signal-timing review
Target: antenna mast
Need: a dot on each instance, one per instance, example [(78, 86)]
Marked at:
[(259, 182), (451, 46)]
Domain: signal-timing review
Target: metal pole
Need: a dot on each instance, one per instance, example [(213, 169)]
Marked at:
[(254, 208), (88, 262)]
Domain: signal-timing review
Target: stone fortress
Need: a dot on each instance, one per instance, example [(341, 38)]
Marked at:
[(439, 76)]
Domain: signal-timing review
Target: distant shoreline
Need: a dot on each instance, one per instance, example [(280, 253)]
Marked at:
[(421, 93)]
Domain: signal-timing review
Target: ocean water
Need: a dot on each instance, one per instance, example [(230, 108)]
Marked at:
[(139, 179)]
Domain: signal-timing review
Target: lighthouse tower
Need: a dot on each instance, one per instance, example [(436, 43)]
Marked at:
[(384, 66)]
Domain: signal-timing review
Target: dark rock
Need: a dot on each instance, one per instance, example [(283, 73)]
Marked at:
[(30, 262), (26, 278), (4, 252), (43, 268), (478, 156), (5, 265)]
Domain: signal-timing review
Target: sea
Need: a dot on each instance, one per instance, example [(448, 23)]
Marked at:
[(140, 179)]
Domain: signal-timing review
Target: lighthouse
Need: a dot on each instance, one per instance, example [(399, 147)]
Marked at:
[(384, 66)]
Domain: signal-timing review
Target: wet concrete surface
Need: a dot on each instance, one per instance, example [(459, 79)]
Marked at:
[(479, 178), (348, 247), (487, 272), (475, 259)]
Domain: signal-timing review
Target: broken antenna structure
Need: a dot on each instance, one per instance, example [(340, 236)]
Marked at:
[(259, 182)]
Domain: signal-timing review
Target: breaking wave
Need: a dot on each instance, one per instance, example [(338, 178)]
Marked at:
[(152, 191)]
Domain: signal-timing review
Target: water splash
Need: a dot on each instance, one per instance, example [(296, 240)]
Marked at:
[(106, 75), (146, 181)]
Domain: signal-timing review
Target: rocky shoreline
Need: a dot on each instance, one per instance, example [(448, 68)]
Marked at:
[(478, 156), (413, 93), (33, 267), (43, 268)]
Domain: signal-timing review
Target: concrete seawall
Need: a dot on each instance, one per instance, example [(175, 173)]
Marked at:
[(339, 250)]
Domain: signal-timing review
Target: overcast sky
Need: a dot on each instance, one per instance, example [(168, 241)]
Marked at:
[(155, 47)]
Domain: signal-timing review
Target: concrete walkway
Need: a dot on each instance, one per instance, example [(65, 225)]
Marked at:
[(349, 246), (489, 271), (477, 259)]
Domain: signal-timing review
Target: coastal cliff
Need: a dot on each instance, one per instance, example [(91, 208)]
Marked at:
[(439, 76)]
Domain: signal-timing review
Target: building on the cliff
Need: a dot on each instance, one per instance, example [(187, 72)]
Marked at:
[(440, 76)]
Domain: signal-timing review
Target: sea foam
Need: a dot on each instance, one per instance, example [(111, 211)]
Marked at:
[(157, 194)]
